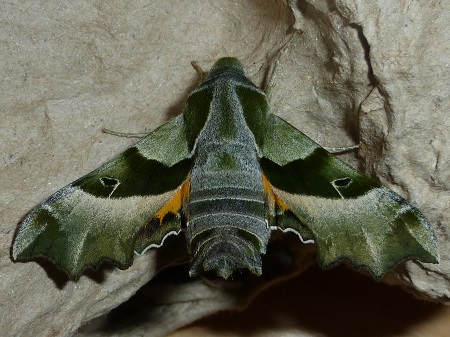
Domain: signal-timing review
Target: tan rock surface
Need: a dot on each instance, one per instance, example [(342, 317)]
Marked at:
[(376, 73)]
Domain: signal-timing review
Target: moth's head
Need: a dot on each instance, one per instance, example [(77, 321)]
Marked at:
[(226, 65)]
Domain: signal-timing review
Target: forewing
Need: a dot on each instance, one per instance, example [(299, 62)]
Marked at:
[(99, 216), (349, 216)]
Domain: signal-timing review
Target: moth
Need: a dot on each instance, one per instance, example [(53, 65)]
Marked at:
[(226, 172)]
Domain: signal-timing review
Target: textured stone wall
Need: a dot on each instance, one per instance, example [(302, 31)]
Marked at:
[(374, 73)]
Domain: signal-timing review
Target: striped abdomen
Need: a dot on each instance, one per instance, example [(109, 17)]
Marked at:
[(226, 228)]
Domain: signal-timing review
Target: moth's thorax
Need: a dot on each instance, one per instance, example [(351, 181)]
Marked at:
[(226, 225)]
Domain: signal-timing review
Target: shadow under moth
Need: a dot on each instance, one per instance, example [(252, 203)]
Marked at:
[(226, 172)]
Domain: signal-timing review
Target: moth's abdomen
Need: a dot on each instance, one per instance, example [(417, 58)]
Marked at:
[(226, 229)]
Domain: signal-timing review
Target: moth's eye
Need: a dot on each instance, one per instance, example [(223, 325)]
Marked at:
[(343, 182), (109, 181)]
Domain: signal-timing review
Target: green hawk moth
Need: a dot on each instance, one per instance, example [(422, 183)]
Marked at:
[(226, 172)]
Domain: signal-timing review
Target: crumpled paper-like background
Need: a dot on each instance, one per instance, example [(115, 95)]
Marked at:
[(373, 72)]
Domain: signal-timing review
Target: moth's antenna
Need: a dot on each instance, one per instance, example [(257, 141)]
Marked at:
[(200, 73), (125, 134), (271, 78), (342, 149)]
